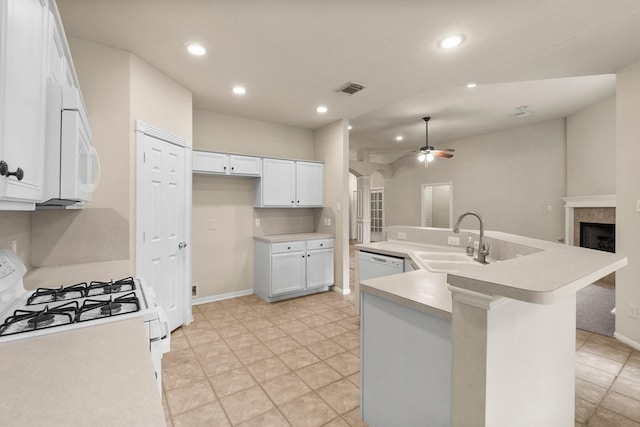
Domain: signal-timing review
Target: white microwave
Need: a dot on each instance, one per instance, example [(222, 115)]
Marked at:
[(72, 166)]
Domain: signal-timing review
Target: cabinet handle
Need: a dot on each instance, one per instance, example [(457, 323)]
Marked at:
[(4, 171), (288, 247), (321, 244), (232, 167), (302, 256), (182, 245), (224, 168)]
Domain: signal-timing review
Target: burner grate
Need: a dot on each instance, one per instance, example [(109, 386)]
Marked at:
[(96, 309), (111, 287), (44, 295), (30, 320)]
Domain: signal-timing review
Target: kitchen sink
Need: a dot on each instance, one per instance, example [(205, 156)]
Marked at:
[(444, 256), (444, 262)]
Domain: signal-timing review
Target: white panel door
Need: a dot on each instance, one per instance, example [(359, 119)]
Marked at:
[(163, 204)]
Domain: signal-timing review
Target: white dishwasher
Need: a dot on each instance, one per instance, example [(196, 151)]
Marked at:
[(372, 265), (375, 265)]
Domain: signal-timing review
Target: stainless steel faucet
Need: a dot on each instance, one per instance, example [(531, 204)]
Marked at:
[(483, 250)]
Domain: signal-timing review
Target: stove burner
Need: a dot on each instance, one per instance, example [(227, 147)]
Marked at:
[(111, 287), (111, 308), (42, 319), (29, 320), (42, 295), (96, 309)]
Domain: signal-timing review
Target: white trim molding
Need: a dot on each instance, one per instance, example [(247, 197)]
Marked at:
[(602, 201), (214, 298), (156, 132)]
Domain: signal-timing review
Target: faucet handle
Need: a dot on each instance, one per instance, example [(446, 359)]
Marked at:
[(485, 248)]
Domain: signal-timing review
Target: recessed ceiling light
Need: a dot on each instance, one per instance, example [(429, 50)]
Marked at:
[(399, 138), (196, 49), (322, 109), (471, 85), (239, 90), (451, 41)]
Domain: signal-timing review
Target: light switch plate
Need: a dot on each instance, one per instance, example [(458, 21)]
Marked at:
[(453, 240), (402, 236), (257, 222)]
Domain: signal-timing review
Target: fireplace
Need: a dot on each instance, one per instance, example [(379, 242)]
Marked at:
[(598, 211), (594, 235)]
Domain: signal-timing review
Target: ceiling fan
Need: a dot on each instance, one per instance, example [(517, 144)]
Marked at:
[(428, 153)]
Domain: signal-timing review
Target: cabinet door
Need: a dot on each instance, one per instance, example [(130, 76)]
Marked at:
[(207, 162), (287, 272), (245, 165), (319, 268), (309, 184), (24, 27), (277, 182)]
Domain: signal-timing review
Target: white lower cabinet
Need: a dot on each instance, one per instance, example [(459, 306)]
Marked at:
[(291, 269)]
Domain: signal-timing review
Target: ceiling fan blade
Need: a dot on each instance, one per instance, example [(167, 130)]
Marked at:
[(441, 154), (449, 150)]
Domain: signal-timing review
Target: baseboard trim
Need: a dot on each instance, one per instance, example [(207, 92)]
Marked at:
[(214, 298), (341, 291), (626, 340)]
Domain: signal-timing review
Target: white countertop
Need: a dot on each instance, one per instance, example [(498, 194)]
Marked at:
[(552, 272), (100, 376), (280, 238), (420, 290)]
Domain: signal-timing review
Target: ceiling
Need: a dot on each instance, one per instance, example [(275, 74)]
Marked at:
[(555, 57)]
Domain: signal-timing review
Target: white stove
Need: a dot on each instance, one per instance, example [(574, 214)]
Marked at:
[(29, 314)]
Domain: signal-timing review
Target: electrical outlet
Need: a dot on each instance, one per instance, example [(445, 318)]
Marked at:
[(212, 224), (194, 290), (329, 222), (257, 222), (402, 235), (476, 244), (549, 208), (453, 240), (14, 246), (633, 311), (637, 205)]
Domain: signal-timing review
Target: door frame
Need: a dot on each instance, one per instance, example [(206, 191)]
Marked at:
[(436, 184), (141, 130)]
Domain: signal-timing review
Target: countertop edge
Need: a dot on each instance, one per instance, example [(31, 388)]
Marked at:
[(279, 238)]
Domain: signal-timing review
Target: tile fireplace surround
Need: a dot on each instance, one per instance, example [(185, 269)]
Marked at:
[(597, 209)]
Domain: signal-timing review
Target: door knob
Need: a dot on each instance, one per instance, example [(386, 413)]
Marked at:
[(182, 245)]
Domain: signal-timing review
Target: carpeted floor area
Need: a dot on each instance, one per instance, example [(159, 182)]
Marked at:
[(593, 309)]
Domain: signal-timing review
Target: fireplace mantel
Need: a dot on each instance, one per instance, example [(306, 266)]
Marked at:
[(602, 201)]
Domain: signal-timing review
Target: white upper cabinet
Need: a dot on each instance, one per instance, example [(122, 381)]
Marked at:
[(276, 188), (226, 164), (24, 31), (309, 184), (289, 183)]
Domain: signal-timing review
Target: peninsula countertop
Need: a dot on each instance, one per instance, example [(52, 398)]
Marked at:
[(100, 376), (280, 238), (544, 273)]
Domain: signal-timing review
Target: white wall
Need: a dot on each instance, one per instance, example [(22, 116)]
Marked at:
[(627, 194), (591, 150), (222, 259), (509, 177), (440, 211), (331, 145), (230, 134)]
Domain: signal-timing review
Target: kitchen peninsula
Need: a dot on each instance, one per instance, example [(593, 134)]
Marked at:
[(464, 344)]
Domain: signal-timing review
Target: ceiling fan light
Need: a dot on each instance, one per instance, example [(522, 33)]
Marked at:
[(421, 157), (430, 157)]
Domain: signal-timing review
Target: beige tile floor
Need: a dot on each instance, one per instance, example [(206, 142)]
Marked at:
[(243, 362)]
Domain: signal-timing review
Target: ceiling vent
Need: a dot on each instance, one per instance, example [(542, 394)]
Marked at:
[(350, 88)]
